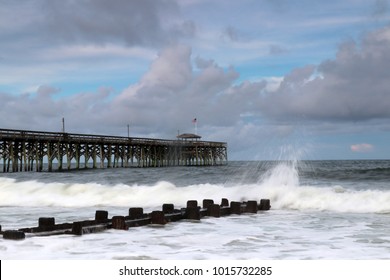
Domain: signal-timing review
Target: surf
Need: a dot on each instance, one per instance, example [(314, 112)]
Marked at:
[(281, 183)]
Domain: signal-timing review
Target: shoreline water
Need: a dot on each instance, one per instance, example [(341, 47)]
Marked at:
[(320, 210)]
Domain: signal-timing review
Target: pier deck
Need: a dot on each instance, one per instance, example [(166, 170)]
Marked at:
[(23, 150)]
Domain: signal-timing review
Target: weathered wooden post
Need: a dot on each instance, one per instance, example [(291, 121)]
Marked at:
[(192, 203), (136, 213), (119, 222), (157, 217), (46, 223), (77, 228), (101, 215), (251, 206), (14, 235), (207, 203), (192, 210), (168, 208), (214, 210), (192, 213), (235, 207), (224, 202), (225, 208), (265, 204)]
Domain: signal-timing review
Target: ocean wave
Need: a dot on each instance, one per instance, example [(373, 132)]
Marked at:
[(280, 185)]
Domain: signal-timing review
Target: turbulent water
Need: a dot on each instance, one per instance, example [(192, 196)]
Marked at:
[(320, 210)]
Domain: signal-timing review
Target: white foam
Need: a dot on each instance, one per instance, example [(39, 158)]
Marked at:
[(305, 222), (280, 185)]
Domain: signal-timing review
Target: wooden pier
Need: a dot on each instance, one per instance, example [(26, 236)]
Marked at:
[(22, 150), (136, 217)]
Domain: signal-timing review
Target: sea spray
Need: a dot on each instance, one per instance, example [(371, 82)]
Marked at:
[(283, 174), (280, 183)]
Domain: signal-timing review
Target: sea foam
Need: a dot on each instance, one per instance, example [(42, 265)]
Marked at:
[(280, 184)]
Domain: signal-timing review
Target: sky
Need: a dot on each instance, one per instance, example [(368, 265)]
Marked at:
[(275, 79)]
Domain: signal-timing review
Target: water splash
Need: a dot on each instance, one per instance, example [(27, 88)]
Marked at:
[(280, 182)]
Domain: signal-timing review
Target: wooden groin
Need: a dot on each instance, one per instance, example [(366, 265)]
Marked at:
[(23, 150), (136, 218)]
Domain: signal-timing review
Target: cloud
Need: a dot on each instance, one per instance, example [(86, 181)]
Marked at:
[(381, 8), (165, 99), (362, 148), (175, 92), (31, 29), (183, 81), (352, 87), (146, 23), (50, 42), (231, 33), (277, 50)]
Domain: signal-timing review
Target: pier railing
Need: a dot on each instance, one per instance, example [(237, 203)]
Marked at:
[(25, 150)]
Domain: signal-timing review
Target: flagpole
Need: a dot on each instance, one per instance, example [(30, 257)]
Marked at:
[(195, 122)]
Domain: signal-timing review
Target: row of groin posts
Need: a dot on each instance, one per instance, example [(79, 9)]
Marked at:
[(136, 217)]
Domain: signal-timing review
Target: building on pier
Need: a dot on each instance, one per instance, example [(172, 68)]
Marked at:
[(188, 136), (29, 150)]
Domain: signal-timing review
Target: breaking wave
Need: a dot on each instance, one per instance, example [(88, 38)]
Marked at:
[(280, 184)]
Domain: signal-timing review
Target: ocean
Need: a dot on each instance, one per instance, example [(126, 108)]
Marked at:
[(321, 210)]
